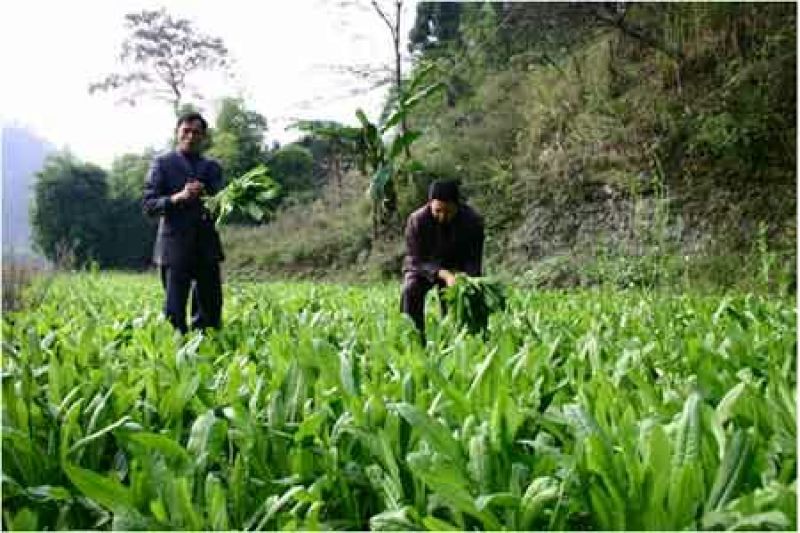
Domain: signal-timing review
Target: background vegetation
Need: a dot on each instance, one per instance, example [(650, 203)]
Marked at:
[(632, 145)]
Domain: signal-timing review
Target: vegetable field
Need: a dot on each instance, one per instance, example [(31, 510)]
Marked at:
[(315, 409)]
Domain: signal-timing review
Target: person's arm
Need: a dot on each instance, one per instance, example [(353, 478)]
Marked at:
[(414, 249), (155, 202), (473, 260)]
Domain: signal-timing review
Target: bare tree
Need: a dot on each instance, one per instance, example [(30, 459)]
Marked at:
[(378, 73), (161, 53), (393, 23)]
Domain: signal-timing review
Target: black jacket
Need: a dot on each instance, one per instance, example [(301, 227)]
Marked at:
[(456, 246), (186, 233)]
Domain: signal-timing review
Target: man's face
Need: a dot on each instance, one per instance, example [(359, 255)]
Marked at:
[(443, 212), (190, 136)]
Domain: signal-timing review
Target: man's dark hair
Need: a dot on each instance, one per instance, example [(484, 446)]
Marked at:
[(444, 190), (189, 116)]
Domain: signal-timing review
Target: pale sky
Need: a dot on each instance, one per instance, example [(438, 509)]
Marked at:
[(52, 51)]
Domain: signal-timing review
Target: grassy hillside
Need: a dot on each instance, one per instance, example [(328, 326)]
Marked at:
[(612, 163)]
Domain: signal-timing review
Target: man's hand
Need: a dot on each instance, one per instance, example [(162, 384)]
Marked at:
[(195, 187), (190, 191), (448, 277)]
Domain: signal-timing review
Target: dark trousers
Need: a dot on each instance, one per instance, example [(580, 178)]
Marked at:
[(206, 295), (412, 301)]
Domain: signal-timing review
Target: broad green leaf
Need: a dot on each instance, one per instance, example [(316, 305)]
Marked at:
[(96, 435), (105, 491), (687, 438), (183, 502), (422, 94), (438, 435), (404, 519), (727, 405), (730, 471), (539, 493), (216, 504), (402, 141), (206, 437), (431, 523), (277, 504), (162, 444), (49, 492), (24, 520), (497, 499), (379, 180)]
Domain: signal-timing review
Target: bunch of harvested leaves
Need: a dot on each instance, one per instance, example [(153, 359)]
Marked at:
[(472, 299), (249, 195)]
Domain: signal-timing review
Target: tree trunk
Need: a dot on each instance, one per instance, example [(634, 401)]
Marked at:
[(336, 163), (398, 74), (375, 220), (176, 101)]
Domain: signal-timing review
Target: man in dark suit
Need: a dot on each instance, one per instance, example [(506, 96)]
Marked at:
[(187, 247), (443, 237)]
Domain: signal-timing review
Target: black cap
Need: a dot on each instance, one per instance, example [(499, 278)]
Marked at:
[(443, 190)]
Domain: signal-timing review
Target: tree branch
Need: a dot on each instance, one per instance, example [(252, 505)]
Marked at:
[(384, 17)]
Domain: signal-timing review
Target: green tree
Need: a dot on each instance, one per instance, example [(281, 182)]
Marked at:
[(127, 175), (161, 53), (237, 139), (69, 209), (124, 213), (334, 146), (435, 26), (292, 166), (321, 150)]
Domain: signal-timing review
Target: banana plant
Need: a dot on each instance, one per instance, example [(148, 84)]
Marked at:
[(386, 160), (382, 160), (382, 157)]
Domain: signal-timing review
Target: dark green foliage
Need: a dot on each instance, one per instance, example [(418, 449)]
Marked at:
[(69, 210), (292, 166), (237, 139), (82, 213), (127, 175), (131, 234), (435, 25)]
